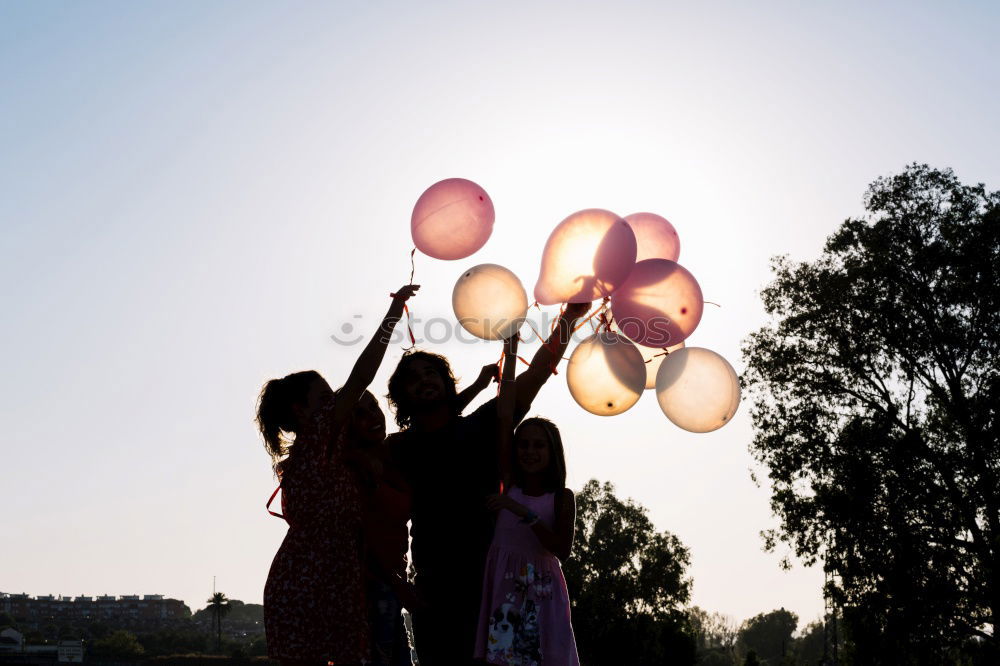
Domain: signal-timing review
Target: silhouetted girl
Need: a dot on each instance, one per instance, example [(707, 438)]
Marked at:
[(524, 618), (314, 603)]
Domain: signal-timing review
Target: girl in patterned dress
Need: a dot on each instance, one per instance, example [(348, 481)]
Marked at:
[(314, 602), (524, 618)]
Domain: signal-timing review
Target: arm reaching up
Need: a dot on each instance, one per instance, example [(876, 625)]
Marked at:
[(506, 404), (488, 374), (370, 359), (548, 356)]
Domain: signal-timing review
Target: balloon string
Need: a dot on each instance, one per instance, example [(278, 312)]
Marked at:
[(665, 352), (603, 319), (551, 346), (533, 330), (271, 499), (499, 373), (409, 325), (555, 322), (600, 308), (711, 303), (406, 308)]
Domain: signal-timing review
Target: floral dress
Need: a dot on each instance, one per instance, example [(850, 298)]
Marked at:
[(524, 619), (314, 604)]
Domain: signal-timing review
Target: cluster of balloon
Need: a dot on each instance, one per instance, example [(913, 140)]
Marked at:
[(452, 219), (654, 303), (490, 302)]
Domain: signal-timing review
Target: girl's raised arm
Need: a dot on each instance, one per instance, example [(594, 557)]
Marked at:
[(506, 403), (371, 358), (548, 356)]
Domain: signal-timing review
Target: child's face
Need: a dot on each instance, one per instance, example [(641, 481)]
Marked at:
[(532, 449), (423, 383)]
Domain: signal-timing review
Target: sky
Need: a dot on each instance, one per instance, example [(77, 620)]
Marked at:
[(197, 195)]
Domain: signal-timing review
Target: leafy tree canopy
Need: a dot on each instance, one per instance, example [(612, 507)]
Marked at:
[(627, 583), (769, 635), (118, 645), (875, 390)]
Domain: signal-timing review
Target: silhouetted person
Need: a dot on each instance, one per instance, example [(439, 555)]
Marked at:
[(450, 461), (387, 501), (314, 602)]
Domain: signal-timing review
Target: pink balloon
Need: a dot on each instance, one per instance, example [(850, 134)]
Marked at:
[(588, 256), (659, 305), (452, 219), (655, 237)]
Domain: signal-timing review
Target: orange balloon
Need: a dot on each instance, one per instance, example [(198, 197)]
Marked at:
[(606, 374), (588, 256)]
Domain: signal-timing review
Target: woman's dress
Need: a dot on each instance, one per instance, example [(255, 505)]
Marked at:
[(314, 603)]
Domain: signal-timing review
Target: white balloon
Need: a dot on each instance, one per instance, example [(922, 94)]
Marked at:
[(490, 302), (606, 374), (697, 389)]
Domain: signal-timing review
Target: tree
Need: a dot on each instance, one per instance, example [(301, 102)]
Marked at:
[(119, 645), (220, 608), (875, 390), (715, 636), (769, 636), (175, 640), (239, 613), (809, 645), (627, 583)]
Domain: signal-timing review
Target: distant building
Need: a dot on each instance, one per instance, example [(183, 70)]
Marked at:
[(150, 610), (11, 641), (70, 652)]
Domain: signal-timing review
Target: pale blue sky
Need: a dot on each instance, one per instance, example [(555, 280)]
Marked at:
[(196, 195)]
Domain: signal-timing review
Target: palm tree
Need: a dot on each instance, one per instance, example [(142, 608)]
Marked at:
[(220, 608)]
